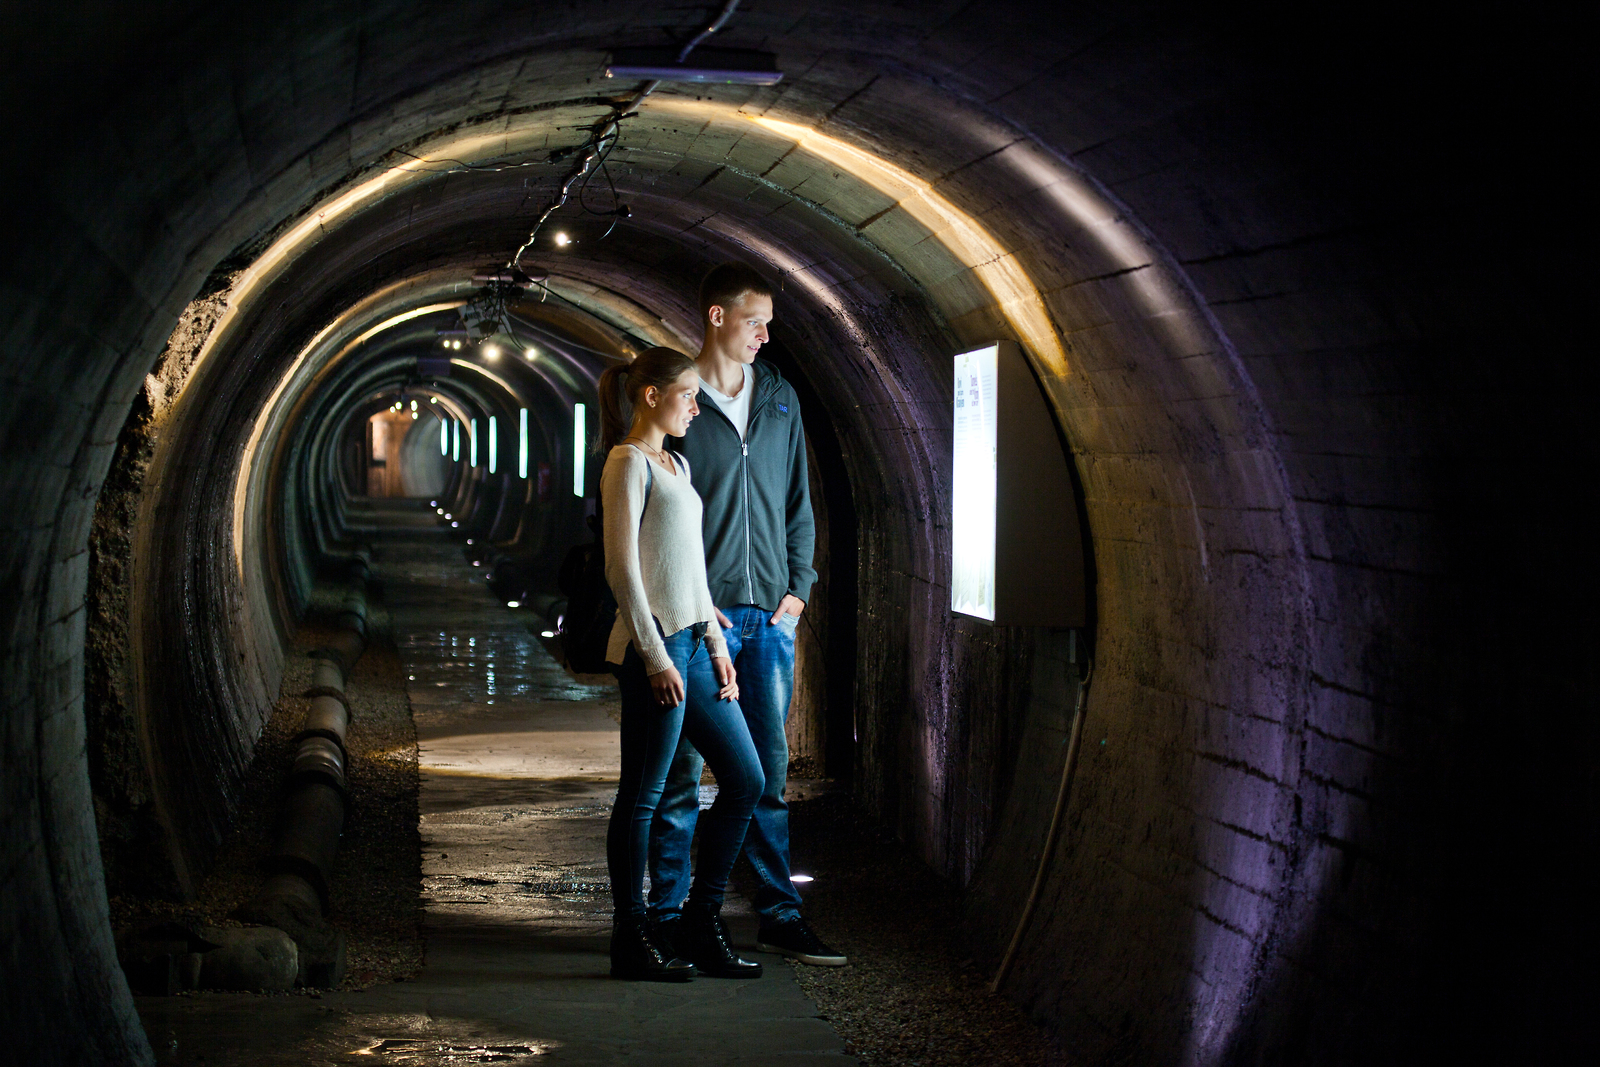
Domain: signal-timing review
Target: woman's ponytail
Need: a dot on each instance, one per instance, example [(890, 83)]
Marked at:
[(620, 387), (615, 410)]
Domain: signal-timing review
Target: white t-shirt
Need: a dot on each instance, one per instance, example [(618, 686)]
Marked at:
[(736, 408)]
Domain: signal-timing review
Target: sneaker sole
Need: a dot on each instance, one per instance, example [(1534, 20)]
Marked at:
[(803, 957)]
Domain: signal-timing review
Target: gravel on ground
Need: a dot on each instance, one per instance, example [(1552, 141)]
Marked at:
[(907, 998)]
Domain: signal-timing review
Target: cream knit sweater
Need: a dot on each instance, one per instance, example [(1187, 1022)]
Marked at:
[(656, 566)]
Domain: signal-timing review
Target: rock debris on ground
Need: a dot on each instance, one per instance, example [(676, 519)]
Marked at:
[(906, 999)]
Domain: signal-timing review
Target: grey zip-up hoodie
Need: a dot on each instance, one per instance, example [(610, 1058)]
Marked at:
[(757, 525)]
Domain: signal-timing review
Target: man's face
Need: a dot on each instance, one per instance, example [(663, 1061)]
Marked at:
[(742, 326)]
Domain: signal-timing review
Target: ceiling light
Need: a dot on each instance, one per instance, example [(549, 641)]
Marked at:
[(469, 540), (433, 400), (532, 353), (413, 414), (491, 351), (513, 603), (712, 66), (562, 239)]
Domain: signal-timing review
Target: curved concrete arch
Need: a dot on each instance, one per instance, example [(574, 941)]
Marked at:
[(1221, 298)]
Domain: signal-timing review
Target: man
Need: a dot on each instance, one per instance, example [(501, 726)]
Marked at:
[(747, 460)]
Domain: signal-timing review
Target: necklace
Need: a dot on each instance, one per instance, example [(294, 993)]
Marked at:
[(660, 454)]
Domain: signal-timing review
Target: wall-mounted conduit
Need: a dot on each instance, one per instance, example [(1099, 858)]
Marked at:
[(294, 897)]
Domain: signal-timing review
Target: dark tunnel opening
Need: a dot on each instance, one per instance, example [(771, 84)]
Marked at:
[(1264, 275)]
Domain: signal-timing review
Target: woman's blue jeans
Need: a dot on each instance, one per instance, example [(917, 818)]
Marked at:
[(650, 735), (763, 654)]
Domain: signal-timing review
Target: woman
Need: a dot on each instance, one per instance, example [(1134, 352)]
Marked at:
[(655, 564)]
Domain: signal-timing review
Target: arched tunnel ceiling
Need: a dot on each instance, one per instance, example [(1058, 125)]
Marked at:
[(1234, 248)]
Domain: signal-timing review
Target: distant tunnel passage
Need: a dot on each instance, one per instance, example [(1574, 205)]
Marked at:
[(247, 263)]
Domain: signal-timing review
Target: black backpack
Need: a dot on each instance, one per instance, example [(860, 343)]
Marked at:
[(591, 609)]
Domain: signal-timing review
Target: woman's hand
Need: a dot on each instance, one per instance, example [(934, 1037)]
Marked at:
[(722, 666), (668, 687)]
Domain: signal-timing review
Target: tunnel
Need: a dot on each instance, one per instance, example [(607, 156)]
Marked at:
[(1295, 320)]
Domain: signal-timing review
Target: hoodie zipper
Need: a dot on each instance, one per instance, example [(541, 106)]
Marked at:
[(744, 468), (757, 405), (744, 483)]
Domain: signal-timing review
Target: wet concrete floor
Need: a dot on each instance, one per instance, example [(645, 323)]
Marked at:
[(519, 764)]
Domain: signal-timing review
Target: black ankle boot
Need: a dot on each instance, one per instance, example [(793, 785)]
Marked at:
[(704, 936), (666, 933), (636, 956)]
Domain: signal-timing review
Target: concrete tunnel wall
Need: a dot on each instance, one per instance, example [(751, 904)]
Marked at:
[(1249, 306)]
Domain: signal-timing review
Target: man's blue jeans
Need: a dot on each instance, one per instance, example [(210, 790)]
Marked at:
[(763, 656), (650, 736)]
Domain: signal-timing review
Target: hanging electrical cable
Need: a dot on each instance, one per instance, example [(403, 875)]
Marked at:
[(607, 130)]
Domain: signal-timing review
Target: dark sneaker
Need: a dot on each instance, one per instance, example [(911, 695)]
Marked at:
[(795, 939)]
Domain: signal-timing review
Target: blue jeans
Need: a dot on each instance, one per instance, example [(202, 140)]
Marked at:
[(650, 736), (763, 655)]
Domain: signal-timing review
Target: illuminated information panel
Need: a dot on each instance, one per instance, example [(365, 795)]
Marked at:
[(1016, 549), (972, 494)]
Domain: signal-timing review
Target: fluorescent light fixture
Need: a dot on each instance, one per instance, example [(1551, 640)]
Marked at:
[(547, 633), (522, 444), (579, 440), (513, 603), (711, 66), (801, 879), (456, 448), (472, 444), (972, 497), (494, 445), (444, 437)]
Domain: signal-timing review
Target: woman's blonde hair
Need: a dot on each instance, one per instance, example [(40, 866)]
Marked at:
[(622, 385)]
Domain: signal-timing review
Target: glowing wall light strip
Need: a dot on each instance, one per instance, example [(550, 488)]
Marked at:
[(457, 427), (472, 444), (1012, 289), (522, 445), (579, 442), (494, 445), (444, 437), (972, 492)]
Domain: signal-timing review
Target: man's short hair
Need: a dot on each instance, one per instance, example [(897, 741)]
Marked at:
[(727, 283)]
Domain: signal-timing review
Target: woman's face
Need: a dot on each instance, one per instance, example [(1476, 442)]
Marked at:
[(675, 406)]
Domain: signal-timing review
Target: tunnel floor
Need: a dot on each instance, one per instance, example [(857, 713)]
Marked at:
[(519, 765)]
